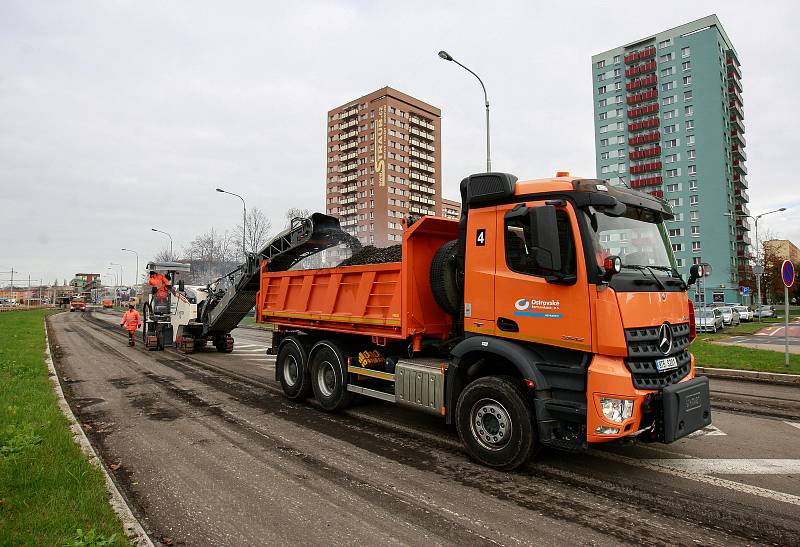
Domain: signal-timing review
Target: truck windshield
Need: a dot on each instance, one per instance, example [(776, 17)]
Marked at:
[(640, 243)]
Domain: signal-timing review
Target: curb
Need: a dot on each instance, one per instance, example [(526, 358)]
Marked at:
[(750, 376), (131, 525)]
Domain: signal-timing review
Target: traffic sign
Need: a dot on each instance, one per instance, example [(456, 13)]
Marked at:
[(745, 291), (758, 269), (787, 273)]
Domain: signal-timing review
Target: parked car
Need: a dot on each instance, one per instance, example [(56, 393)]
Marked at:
[(745, 313), (729, 315), (764, 311), (710, 321)]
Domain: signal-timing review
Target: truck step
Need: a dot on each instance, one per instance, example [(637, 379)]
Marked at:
[(374, 393)]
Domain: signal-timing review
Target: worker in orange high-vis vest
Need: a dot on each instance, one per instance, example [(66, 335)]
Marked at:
[(131, 322), (160, 285)]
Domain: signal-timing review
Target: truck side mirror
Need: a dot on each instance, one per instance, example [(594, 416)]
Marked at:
[(544, 237), (181, 286), (695, 273)]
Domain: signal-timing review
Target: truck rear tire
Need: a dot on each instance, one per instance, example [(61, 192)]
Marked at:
[(329, 377), (444, 277), (292, 369), (496, 424)]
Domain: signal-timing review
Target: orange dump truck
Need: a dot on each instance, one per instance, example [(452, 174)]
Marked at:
[(108, 303), (551, 314)]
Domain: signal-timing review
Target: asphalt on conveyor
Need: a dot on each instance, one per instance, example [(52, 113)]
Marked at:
[(211, 452)]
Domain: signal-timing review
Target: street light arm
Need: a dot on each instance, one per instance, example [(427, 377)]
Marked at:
[(485, 95)]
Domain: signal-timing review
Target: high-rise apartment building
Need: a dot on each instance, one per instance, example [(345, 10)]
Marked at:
[(668, 120), (383, 164)]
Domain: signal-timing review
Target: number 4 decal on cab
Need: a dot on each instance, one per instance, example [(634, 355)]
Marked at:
[(480, 237)]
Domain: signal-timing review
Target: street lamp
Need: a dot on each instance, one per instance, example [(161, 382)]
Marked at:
[(447, 57), (170, 241), (121, 280), (244, 219), (759, 269), (135, 275)]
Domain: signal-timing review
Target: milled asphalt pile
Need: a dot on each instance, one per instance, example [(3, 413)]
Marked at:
[(374, 255)]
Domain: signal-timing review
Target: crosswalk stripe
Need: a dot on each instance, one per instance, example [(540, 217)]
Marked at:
[(793, 424), (725, 466), (707, 431)]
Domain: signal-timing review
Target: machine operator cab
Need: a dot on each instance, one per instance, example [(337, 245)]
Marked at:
[(166, 282)]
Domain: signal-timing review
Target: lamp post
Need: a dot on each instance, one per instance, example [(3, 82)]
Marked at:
[(135, 275), (244, 219), (170, 241), (447, 57), (759, 269), (121, 279)]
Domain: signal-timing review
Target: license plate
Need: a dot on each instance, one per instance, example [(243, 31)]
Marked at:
[(666, 364)]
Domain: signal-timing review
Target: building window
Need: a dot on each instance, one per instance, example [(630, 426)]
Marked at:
[(689, 124), (666, 101), (694, 199), (602, 102), (695, 246), (619, 99), (689, 140), (603, 115), (693, 184), (694, 215), (603, 128), (669, 71), (663, 43), (686, 65), (620, 126), (601, 89), (603, 142), (677, 247), (688, 110), (673, 173), (601, 77), (676, 232), (692, 170), (617, 72), (679, 262), (673, 187), (605, 169), (617, 86), (617, 59), (685, 52), (672, 143), (671, 158), (601, 64), (670, 128), (687, 96), (675, 202), (667, 57), (687, 80), (667, 86), (678, 217), (669, 114), (691, 154), (604, 155), (695, 230)]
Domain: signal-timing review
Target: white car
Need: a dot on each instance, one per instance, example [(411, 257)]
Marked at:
[(745, 313), (710, 321), (729, 315)]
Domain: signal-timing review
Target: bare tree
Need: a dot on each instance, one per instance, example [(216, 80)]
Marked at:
[(212, 255), (164, 255), (296, 212), (257, 232)]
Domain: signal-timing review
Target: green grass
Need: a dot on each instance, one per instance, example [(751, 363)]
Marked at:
[(49, 492), (250, 322)]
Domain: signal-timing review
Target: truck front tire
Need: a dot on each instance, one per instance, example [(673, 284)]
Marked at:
[(292, 369), (329, 377), (495, 423)]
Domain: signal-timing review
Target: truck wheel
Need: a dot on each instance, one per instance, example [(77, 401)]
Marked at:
[(329, 377), (444, 277), (495, 423), (292, 369)]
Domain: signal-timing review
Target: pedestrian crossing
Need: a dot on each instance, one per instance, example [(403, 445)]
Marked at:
[(253, 353)]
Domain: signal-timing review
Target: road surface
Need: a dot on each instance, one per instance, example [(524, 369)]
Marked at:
[(210, 452)]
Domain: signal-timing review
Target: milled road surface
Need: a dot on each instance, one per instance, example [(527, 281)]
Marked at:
[(210, 452)]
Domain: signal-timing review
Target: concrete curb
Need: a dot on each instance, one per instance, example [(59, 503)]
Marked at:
[(131, 525), (750, 376)]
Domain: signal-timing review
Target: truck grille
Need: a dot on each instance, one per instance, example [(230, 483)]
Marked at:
[(643, 351)]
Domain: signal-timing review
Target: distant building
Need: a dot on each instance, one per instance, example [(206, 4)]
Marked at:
[(782, 249), (451, 209), (383, 164), (669, 121)]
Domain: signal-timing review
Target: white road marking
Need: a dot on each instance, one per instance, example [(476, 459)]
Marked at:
[(654, 465), (793, 424), (260, 360), (708, 430), (247, 345), (725, 466)]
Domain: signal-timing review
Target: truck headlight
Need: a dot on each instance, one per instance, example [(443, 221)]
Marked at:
[(617, 410)]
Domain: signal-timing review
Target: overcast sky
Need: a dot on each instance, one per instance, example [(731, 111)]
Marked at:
[(116, 117)]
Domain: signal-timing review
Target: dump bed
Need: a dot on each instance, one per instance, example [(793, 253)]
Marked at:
[(392, 300)]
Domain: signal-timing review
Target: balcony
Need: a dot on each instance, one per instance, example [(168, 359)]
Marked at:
[(419, 198), (422, 144), (743, 224), (348, 222), (737, 124), (734, 81), (740, 180), (649, 123), (649, 81), (646, 181), (348, 211), (644, 68), (736, 108), (421, 176), (734, 94), (420, 122), (743, 238), (348, 200), (348, 145), (643, 110), (420, 133), (645, 167), (741, 194), (422, 167), (421, 155), (348, 125), (422, 188), (657, 193), (738, 137), (742, 208), (350, 156), (644, 139), (738, 152), (349, 135), (740, 166), (642, 97), (645, 53), (646, 153), (420, 210), (349, 189)]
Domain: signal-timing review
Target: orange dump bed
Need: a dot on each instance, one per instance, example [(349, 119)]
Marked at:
[(391, 300)]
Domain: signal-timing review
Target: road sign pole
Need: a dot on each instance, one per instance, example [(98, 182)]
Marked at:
[(786, 325)]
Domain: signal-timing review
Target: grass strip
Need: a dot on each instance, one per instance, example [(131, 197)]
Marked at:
[(49, 492)]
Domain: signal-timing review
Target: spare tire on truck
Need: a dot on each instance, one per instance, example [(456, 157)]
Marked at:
[(444, 277)]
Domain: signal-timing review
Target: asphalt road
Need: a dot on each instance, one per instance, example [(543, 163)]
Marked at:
[(210, 452)]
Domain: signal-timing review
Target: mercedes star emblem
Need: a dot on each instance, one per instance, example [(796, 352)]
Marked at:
[(665, 339)]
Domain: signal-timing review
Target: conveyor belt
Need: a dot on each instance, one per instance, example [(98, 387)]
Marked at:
[(223, 311)]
